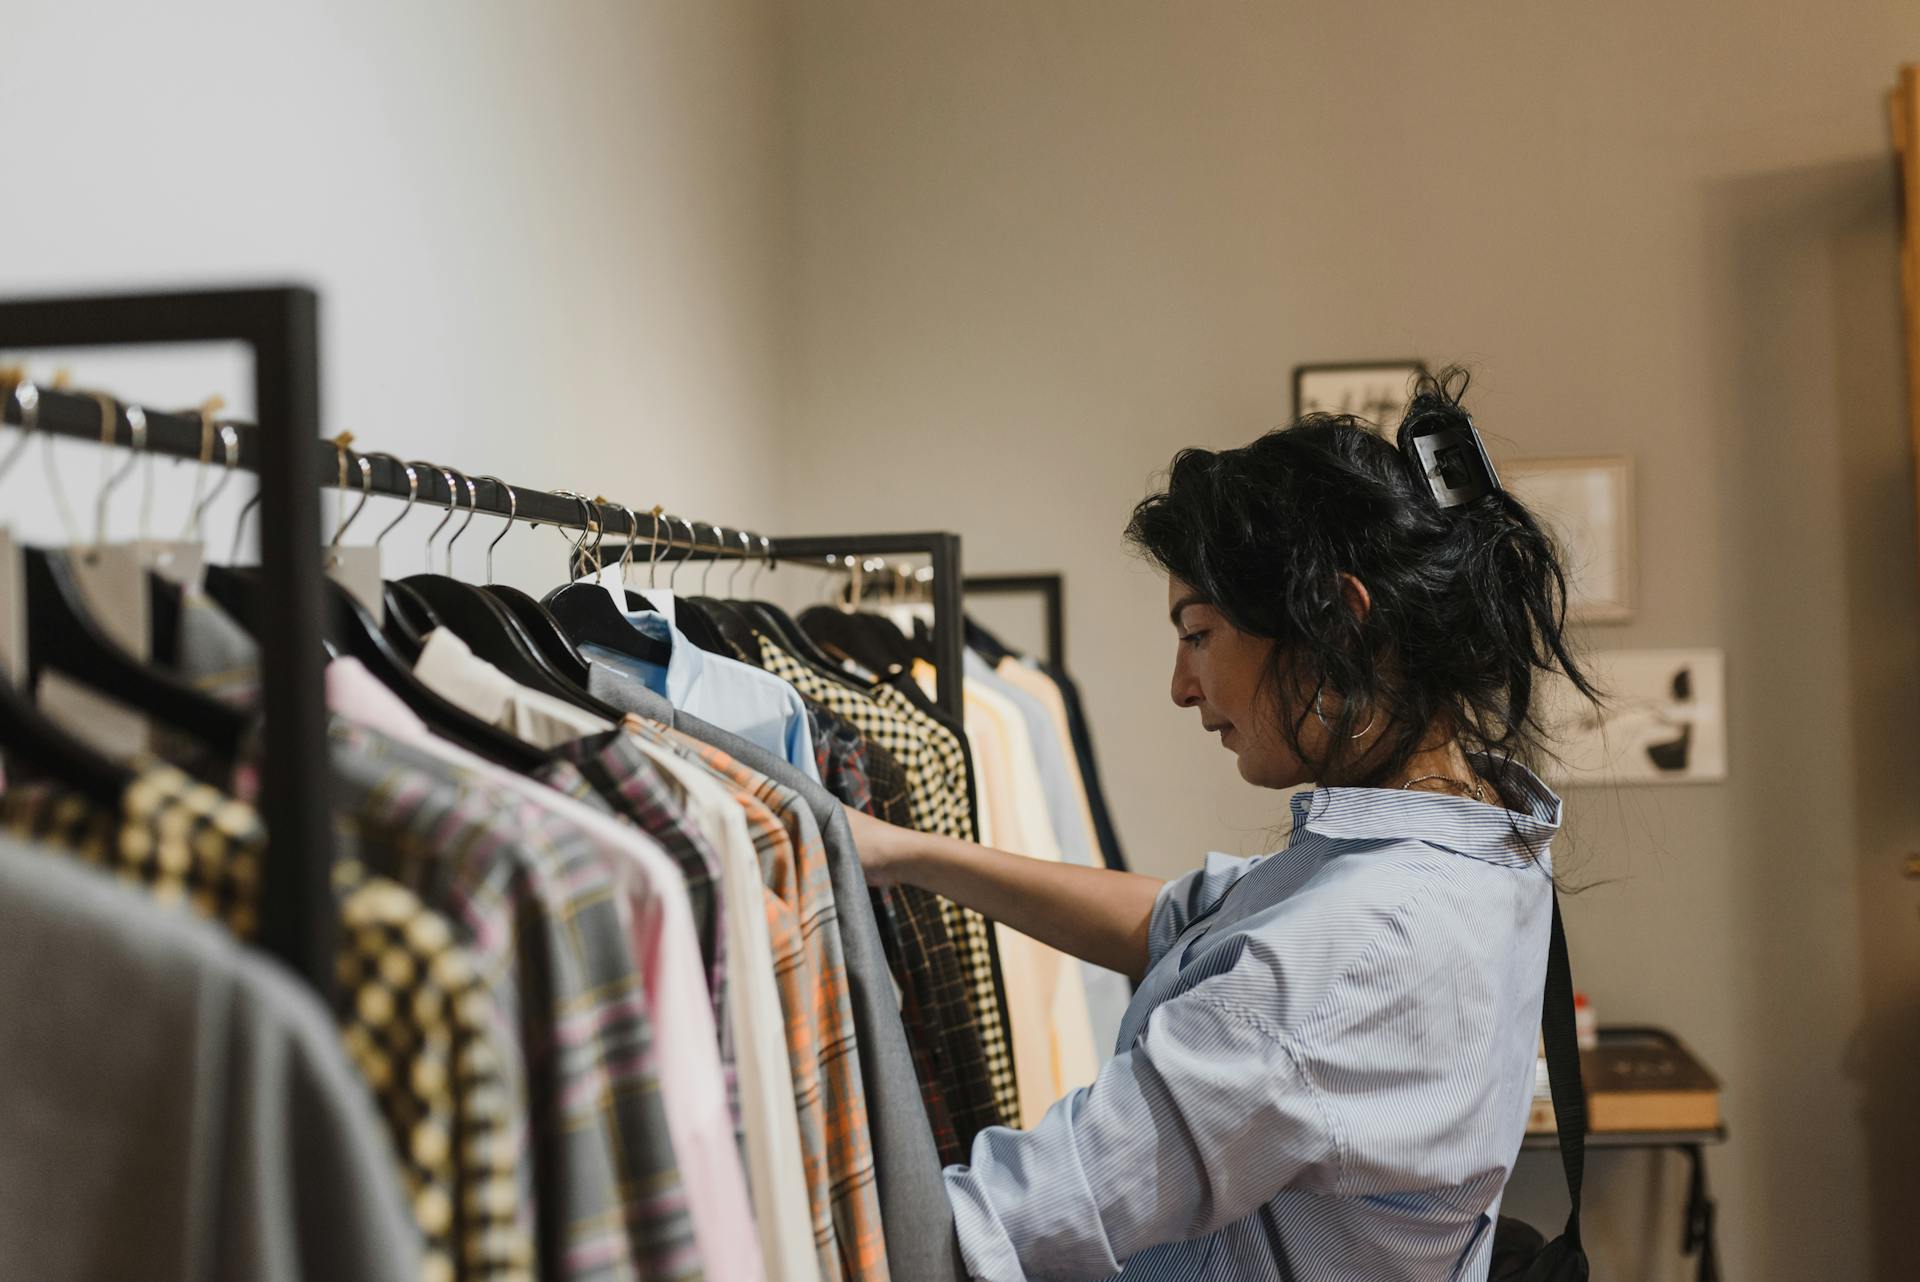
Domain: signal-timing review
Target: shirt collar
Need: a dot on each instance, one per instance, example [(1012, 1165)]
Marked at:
[(1515, 838), (687, 660)]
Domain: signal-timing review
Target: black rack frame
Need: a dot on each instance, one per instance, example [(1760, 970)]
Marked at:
[(281, 327), (1051, 587), (185, 435)]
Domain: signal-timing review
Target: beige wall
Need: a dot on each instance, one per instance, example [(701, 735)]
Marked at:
[(545, 247), (1038, 248)]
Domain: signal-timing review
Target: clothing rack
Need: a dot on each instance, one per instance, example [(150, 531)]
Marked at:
[(187, 436), (843, 551), (1051, 587), (280, 326)]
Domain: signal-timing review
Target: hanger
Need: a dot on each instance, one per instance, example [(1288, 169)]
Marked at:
[(349, 630), (728, 618), (29, 735), (488, 627), (794, 639), (588, 614), (63, 637), (691, 614), (409, 617), (548, 637), (635, 602)]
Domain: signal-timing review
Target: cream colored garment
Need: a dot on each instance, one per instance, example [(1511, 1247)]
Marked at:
[(1041, 686), (776, 1171), (1053, 1045), (454, 672)]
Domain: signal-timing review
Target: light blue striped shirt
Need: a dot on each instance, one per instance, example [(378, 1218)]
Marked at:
[(1331, 1056)]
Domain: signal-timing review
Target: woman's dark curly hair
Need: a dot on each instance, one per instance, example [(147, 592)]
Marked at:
[(1468, 603)]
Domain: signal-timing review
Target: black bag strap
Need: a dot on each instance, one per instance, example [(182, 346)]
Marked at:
[(1563, 1069)]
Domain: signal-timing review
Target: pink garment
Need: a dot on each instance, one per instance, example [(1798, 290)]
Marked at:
[(667, 948)]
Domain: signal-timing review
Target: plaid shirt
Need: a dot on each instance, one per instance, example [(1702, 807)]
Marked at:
[(821, 1039), (887, 785), (939, 802), (540, 907), (842, 751), (613, 769), (928, 968), (414, 1022)]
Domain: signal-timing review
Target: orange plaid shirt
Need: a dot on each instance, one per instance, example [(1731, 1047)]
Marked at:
[(812, 974)]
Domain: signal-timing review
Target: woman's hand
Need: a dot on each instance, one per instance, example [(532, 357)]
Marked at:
[(1092, 913), (882, 846)]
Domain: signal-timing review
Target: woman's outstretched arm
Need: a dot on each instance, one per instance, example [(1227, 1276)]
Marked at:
[(1095, 914)]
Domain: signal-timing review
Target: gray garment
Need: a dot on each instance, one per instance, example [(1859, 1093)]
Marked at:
[(1108, 993), (175, 1107), (914, 1210)]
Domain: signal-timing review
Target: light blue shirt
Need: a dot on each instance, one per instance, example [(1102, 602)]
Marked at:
[(1332, 1055), (736, 696)]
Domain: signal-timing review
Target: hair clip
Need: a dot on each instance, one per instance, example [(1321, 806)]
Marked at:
[(1454, 463)]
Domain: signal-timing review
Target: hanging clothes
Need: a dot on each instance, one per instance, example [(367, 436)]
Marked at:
[(939, 801), (1107, 993), (408, 1013), (1053, 1043), (759, 708), (227, 1100)]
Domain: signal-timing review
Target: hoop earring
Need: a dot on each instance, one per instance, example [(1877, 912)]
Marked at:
[(1329, 725)]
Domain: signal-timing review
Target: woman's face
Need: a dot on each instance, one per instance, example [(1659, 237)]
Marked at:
[(1223, 672)]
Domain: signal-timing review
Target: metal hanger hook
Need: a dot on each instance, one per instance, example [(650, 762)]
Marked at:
[(719, 550), (693, 541), (230, 455), (413, 495), (473, 506), (633, 532), (366, 492), (653, 546), (446, 474), (766, 563), (513, 512), (575, 555), (599, 525), (27, 397), (746, 552), (109, 437)]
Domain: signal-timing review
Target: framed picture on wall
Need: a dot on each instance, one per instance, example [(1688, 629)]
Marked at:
[(1665, 720), (1587, 506), (1377, 391)]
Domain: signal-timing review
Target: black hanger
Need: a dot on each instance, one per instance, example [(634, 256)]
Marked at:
[(868, 640), (743, 643), (487, 626), (537, 625), (63, 637), (409, 618), (548, 637), (492, 632), (986, 645), (165, 600), (37, 741), (587, 612), (349, 630)]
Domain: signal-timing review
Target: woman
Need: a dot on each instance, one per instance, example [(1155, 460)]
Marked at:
[(1327, 1066)]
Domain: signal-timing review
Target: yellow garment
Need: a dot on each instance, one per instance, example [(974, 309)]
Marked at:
[(1053, 1044)]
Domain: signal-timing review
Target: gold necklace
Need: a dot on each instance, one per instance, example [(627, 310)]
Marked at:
[(1478, 791)]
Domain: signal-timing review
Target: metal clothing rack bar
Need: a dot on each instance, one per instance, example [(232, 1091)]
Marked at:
[(1052, 589), (943, 552), (183, 435), (281, 327)]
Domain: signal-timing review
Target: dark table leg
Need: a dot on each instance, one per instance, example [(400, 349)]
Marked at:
[(1699, 1234)]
